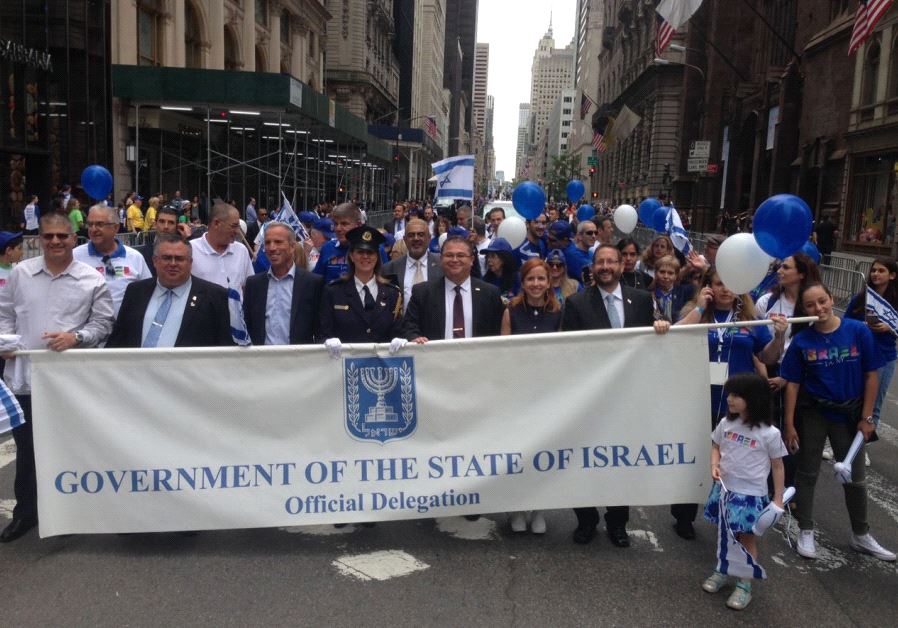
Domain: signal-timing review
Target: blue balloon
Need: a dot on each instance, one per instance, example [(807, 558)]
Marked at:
[(647, 210), (575, 190), (529, 199), (782, 224), (96, 181), (659, 219), (810, 249), (585, 212)]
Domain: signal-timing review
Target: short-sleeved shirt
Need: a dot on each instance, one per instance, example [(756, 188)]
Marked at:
[(575, 258), (832, 366), (528, 250), (129, 265), (885, 341), (228, 270), (333, 261), (735, 346), (745, 455)]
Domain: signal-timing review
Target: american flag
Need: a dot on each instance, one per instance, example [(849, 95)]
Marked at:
[(663, 35), (430, 125), (868, 14), (585, 105), (598, 142)]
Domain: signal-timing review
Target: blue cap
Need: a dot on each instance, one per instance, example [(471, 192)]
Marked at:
[(325, 226), (497, 245), (307, 217), (389, 239), (560, 230), (457, 231), (8, 236), (556, 255)]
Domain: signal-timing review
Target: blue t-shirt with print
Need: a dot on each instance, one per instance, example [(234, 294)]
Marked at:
[(832, 366), (735, 346), (528, 250), (885, 341), (332, 262)]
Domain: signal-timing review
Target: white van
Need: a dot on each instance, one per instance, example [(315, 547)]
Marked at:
[(505, 205)]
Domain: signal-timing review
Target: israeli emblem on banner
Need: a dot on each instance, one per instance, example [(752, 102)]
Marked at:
[(380, 398)]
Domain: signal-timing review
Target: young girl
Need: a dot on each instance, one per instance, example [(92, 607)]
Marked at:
[(746, 447)]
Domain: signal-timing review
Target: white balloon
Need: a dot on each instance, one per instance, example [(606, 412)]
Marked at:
[(625, 218), (243, 226), (442, 239), (741, 263), (513, 229)]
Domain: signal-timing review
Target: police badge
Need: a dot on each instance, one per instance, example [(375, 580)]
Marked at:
[(379, 395)]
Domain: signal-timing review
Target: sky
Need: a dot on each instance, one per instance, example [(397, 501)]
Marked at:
[(513, 30)]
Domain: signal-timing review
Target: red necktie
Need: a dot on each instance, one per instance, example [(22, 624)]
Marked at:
[(458, 315)]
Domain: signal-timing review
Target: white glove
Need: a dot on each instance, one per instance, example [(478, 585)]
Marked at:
[(334, 346), (396, 345)]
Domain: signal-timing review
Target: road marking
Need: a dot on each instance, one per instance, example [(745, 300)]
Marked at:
[(319, 530), (481, 530), (381, 565), (880, 493), (6, 506), (647, 535), (887, 433), (7, 452)]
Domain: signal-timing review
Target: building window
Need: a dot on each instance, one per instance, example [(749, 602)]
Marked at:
[(149, 32), (285, 27), (566, 112), (193, 46), (232, 61), (261, 61), (893, 70), (868, 78), (262, 12), (871, 220)]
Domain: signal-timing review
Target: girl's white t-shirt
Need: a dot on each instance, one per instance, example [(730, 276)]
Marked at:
[(745, 454)]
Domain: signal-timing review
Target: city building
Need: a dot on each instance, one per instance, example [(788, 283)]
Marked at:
[(478, 113), (55, 96), (458, 72), (588, 44), (522, 151)]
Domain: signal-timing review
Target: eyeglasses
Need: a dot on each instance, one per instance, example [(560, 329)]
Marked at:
[(49, 237), (100, 225), (177, 259), (590, 232), (455, 256)]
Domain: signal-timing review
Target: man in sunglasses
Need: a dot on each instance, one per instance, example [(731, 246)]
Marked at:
[(121, 265), (53, 302)]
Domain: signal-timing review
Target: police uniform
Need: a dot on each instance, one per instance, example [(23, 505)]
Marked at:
[(343, 314)]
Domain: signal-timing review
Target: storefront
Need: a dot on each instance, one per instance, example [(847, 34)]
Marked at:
[(870, 222), (54, 97)]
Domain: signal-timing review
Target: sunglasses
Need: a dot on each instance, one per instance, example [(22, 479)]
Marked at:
[(556, 264), (49, 237), (590, 232)]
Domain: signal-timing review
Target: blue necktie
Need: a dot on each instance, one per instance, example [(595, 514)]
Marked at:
[(613, 316), (152, 338)]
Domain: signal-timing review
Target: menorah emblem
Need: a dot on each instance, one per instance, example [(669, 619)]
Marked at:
[(380, 381)]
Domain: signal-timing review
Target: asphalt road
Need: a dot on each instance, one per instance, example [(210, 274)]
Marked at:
[(450, 572)]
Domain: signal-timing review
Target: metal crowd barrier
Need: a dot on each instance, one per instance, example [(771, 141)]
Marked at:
[(844, 283)]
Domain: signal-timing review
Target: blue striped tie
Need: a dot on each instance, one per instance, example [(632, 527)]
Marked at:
[(152, 338)]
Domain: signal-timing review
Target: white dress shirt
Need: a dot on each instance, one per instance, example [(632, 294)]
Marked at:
[(618, 302), (360, 288), (467, 306)]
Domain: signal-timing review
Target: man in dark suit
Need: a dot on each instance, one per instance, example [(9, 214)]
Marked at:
[(175, 309), (281, 306), (608, 304), (419, 265), (457, 306)]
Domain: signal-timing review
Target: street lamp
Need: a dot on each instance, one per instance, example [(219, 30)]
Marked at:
[(660, 61)]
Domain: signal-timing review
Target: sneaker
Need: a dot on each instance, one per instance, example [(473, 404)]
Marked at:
[(827, 452), (537, 523), (806, 546), (740, 597), (518, 522), (866, 544), (866, 459), (714, 582)]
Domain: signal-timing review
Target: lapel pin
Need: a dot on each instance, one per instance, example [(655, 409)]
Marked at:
[(629, 302)]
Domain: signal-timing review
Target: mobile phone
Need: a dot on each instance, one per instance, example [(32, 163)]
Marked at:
[(873, 319)]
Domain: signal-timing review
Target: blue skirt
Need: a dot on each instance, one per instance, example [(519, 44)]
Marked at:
[(742, 510)]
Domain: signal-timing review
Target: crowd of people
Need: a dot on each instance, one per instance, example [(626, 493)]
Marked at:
[(425, 276)]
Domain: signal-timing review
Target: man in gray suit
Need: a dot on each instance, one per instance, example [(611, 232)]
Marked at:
[(419, 265)]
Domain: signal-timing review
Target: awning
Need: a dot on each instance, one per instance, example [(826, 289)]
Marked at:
[(225, 89)]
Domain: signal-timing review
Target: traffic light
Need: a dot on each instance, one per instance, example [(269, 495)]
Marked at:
[(592, 170), (595, 195), (396, 155)]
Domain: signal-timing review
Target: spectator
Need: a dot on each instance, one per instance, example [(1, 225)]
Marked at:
[(502, 268), (660, 247), (562, 285)]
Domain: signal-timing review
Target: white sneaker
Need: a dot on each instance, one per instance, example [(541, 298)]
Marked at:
[(537, 523), (827, 451), (866, 544), (806, 546), (518, 522), (866, 459)]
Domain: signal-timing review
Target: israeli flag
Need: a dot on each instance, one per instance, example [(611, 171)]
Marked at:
[(455, 177), (238, 325), (732, 557), (677, 233), (882, 309), (288, 216), (10, 411)]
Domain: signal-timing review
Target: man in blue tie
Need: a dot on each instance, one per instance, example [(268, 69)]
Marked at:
[(175, 309), (608, 304)]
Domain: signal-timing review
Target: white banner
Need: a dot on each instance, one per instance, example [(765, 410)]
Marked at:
[(184, 439)]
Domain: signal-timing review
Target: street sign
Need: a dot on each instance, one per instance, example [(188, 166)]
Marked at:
[(592, 161), (700, 148), (697, 164)]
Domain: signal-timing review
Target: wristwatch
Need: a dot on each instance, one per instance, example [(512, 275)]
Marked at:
[(869, 419), (79, 338)]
